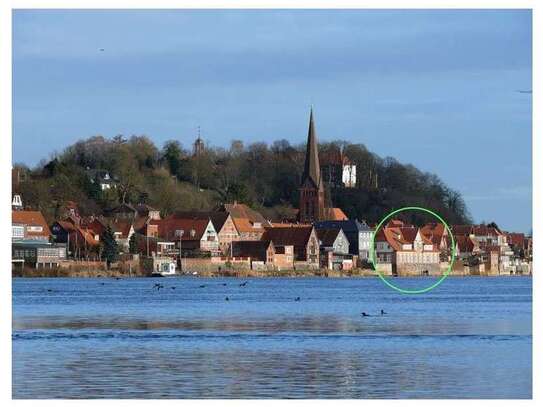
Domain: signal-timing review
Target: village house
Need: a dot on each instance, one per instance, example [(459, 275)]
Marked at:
[(249, 224), (467, 249), (102, 178), (258, 252), (123, 229), (337, 169), (302, 238), (30, 241), (81, 242), (492, 242), (334, 249), (404, 250), (193, 237), (223, 224), (358, 233)]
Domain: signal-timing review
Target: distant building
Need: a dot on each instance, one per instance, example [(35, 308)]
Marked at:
[(192, 236), (198, 147), (249, 223), (30, 241), (312, 198), (17, 203), (404, 250), (257, 251), (303, 239), (358, 233), (223, 224), (337, 170)]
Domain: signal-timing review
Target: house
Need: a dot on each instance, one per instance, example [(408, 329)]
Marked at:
[(333, 240), (302, 238), (29, 225), (404, 250), (337, 169), (146, 211), (37, 253), (358, 233), (30, 241), (250, 224), (102, 178), (17, 203), (334, 249), (192, 236), (223, 224), (467, 249), (258, 252), (80, 242), (123, 229)]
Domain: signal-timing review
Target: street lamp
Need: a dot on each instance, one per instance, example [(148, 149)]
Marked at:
[(180, 234)]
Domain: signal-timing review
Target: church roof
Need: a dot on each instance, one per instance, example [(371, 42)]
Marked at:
[(312, 167)]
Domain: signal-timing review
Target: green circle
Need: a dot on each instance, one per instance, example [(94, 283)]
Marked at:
[(373, 254)]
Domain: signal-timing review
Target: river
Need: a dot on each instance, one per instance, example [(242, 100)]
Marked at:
[(107, 338)]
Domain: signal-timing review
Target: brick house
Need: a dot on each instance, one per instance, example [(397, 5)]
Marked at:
[(302, 238)]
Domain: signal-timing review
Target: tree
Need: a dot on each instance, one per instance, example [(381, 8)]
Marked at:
[(133, 244), (111, 250)]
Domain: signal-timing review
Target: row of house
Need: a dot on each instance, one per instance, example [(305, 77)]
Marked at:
[(236, 232), (403, 249)]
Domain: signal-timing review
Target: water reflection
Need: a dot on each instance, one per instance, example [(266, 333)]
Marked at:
[(133, 346)]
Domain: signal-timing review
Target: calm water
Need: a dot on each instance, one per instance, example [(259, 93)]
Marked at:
[(106, 338)]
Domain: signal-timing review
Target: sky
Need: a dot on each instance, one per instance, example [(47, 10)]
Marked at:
[(434, 88)]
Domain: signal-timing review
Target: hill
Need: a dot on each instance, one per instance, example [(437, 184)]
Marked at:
[(264, 176)]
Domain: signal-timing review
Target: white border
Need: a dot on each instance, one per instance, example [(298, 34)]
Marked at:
[(5, 163)]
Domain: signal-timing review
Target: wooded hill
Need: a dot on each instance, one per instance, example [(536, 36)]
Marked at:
[(264, 176)]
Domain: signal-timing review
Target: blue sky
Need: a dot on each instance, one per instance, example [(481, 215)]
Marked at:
[(435, 88)]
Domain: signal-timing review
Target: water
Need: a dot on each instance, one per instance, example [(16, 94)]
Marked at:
[(106, 338)]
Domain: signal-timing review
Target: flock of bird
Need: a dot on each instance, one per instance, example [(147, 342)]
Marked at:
[(159, 286)]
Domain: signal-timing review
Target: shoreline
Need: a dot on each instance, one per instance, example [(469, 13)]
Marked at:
[(321, 273)]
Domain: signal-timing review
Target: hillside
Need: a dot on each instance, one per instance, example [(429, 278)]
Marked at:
[(265, 176)]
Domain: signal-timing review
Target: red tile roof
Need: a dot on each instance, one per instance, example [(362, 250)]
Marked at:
[(288, 235), (31, 218), (168, 226)]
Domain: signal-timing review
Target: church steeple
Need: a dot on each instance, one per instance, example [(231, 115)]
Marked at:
[(311, 188), (312, 168)]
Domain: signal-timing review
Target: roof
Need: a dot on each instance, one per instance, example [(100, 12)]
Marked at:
[(336, 214), (218, 218), (312, 169), (327, 237), (31, 218), (168, 226), (516, 239), (288, 235), (348, 226), (123, 226), (483, 230), (246, 219), (462, 229), (255, 249), (465, 243), (434, 232)]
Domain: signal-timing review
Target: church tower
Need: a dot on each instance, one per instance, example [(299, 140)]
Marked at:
[(311, 188)]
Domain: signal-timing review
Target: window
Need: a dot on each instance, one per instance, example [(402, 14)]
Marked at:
[(17, 231), (34, 228)]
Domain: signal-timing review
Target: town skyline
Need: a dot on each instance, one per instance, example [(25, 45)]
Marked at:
[(391, 89)]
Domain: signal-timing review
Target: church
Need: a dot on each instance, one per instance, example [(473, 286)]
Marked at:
[(313, 201)]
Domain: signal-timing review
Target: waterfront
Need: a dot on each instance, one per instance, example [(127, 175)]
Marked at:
[(107, 338)]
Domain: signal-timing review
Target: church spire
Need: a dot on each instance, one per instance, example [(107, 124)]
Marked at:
[(312, 168)]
